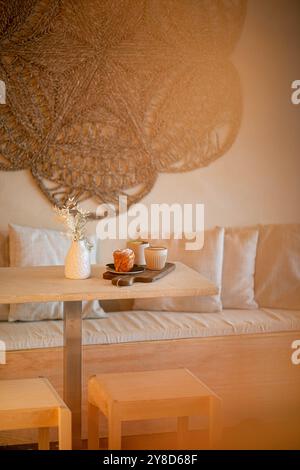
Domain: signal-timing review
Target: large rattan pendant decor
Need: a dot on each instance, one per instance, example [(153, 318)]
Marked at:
[(102, 95)]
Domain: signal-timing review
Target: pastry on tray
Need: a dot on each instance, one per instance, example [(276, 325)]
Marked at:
[(123, 260)]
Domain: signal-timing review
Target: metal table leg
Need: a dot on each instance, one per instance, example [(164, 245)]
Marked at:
[(73, 366)]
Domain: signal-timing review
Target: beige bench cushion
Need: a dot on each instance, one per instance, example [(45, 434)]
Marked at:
[(131, 326), (208, 261), (277, 275), (239, 267)]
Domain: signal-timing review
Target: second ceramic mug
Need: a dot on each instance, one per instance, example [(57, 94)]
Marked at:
[(138, 247), (156, 257)]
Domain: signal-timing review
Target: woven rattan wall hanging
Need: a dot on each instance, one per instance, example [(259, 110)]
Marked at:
[(102, 95)]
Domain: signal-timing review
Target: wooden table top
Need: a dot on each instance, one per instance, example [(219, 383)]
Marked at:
[(47, 284)]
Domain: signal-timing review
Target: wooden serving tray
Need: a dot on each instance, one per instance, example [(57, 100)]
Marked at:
[(145, 276)]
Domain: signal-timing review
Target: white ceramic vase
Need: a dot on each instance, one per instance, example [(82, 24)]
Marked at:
[(77, 262)]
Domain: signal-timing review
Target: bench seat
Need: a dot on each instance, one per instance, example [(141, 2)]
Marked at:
[(134, 326)]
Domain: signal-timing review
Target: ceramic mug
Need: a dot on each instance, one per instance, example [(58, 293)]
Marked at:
[(156, 257), (138, 247)]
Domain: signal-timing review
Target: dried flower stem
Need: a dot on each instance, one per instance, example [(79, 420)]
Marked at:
[(75, 219)]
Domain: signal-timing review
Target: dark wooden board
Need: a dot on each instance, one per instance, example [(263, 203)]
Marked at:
[(145, 276)]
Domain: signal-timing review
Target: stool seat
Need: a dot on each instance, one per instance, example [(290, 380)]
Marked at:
[(34, 403), (149, 395)]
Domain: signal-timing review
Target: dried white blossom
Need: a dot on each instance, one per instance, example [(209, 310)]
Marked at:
[(75, 219)]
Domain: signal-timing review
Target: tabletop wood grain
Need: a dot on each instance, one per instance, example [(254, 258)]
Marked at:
[(47, 283)]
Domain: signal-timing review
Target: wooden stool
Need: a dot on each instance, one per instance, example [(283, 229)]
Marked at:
[(150, 395), (33, 403)]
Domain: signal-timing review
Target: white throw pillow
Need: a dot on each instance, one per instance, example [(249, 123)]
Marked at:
[(4, 262), (240, 246), (277, 275), (207, 261), (40, 247)]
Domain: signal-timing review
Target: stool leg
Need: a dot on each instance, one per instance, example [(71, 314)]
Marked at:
[(64, 429), (114, 432), (215, 421), (43, 439), (182, 431), (93, 427)]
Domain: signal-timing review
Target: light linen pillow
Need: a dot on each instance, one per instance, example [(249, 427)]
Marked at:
[(40, 247), (277, 272), (207, 261), (240, 245), (4, 262)]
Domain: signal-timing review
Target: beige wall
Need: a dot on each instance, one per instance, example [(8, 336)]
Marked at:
[(258, 179)]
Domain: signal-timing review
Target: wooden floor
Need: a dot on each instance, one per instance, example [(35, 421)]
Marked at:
[(249, 435)]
